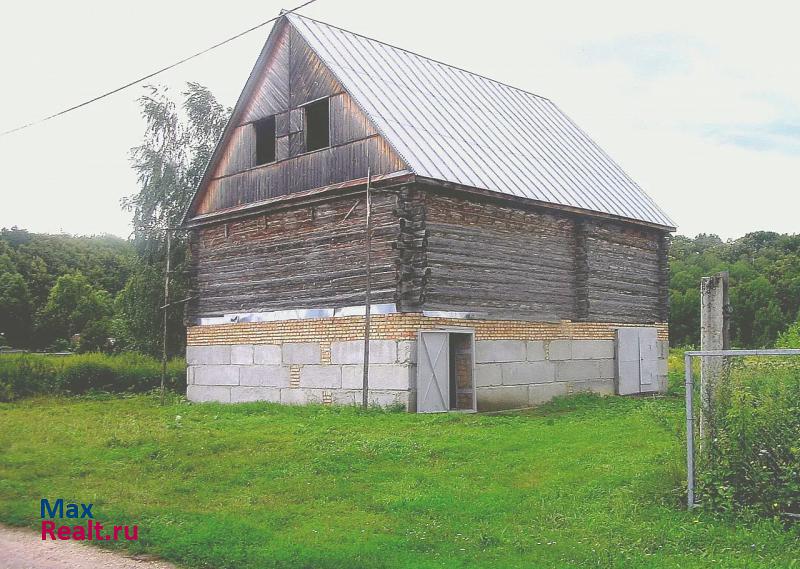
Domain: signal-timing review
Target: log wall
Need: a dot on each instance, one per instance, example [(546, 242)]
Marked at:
[(625, 273), (301, 257), (513, 262), (499, 260), (434, 250)]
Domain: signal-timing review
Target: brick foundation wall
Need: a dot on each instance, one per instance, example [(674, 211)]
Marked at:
[(399, 326)]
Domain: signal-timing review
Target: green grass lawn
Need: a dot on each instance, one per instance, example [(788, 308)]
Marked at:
[(584, 482)]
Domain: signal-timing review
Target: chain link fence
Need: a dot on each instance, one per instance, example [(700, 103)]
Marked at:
[(743, 430)]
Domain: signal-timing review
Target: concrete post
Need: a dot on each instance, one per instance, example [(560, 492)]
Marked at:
[(714, 335)]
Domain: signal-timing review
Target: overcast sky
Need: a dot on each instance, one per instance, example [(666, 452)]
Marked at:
[(698, 101)]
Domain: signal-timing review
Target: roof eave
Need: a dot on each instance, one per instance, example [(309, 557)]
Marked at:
[(502, 196)]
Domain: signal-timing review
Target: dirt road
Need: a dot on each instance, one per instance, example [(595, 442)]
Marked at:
[(24, 549)]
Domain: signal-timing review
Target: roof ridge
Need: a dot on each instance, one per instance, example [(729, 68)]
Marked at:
[(415, 54)]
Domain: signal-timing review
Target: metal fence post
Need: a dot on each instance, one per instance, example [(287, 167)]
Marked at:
[(687, 362)]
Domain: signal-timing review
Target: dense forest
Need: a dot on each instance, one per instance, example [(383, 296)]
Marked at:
[(103, 293), (65, 292), (53, 287), (764, 289)]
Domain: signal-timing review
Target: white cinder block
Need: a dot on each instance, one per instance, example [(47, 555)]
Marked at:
[(293, 396), (321, 376), (488, 374), (247, 394), (216, 375), (536, 351), (301, 353), (544, 392), (208, 393), (208, 355), (352, 352), (592, 349), (559, 350), (267, 354), (264, 376), (518, 373), (381, 376), (242, 354), (490, 351)]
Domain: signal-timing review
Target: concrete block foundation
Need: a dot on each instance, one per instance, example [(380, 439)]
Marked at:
[(517, 364)]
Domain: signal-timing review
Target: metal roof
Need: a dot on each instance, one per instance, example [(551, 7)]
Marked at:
[(459, 127)]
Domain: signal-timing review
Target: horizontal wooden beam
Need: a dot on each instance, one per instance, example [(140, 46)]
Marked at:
[(307, 197)]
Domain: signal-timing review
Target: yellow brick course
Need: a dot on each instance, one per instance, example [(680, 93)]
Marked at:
[(294, 376), (399, 326), (325, 352)]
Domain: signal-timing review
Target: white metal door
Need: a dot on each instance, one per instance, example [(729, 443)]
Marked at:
[(637, 360), (648, 360), (433, 372), (628, 361)]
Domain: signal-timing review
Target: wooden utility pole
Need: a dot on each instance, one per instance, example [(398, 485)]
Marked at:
[(166, 307), (367, 300)]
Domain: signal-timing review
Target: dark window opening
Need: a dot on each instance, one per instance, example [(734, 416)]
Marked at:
[(462, 390), (265, 141), (316, 122)]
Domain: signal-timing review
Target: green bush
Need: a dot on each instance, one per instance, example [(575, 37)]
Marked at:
[(753, 457), (23, 375), (790, 338), (83, 375)]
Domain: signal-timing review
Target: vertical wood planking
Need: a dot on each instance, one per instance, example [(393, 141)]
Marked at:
[(311, 79), (271, 95), (282, 124), (348, 122), (303, 172), (293, 76), (240, 154)]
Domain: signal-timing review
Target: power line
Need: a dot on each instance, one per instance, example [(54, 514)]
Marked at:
[(154, 73)]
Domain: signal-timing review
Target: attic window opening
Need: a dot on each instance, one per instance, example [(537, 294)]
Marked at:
[(265, 141), (317, 124)]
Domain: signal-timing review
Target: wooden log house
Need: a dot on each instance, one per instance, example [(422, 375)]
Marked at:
[(511, 261)]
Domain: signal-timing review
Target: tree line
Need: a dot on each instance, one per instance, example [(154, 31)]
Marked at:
[(764, 291), (103, 293)]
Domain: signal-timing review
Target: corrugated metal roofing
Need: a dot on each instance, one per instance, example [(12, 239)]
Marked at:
[(460, 127)]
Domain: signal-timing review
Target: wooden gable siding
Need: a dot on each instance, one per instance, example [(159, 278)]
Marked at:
[(313, 170), (306, 256), (293, 76)]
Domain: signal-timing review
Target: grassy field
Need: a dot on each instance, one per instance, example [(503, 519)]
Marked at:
[(583, 482)]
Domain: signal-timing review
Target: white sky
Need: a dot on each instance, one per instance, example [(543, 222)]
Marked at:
[(698, 101)]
